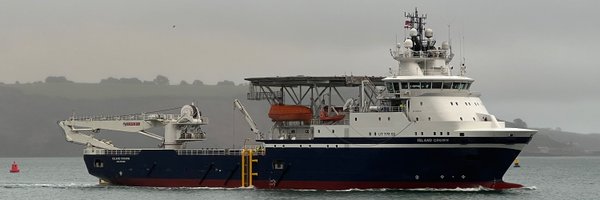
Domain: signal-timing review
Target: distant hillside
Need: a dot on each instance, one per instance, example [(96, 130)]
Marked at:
[(553, 142)]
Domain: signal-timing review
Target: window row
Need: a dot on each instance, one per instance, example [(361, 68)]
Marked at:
[(394, 87)]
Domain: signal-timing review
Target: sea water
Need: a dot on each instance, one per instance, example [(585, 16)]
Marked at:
[(67, 178)]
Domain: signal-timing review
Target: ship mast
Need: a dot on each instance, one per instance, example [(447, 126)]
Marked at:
[(418, 55)]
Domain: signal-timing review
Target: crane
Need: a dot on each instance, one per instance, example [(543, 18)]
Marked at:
[(238, 105), (178, 128)]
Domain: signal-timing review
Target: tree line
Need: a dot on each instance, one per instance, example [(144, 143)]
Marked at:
[(158, 80)]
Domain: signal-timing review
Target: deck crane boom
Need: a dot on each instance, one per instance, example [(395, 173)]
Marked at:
[(238, 105), (179, 128)]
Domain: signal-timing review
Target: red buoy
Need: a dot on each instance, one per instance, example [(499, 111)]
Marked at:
[(14, 168)]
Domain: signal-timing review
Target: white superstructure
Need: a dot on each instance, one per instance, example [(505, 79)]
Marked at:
[(423, 99)]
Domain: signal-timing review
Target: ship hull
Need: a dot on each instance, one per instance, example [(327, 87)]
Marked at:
[(315, 168)]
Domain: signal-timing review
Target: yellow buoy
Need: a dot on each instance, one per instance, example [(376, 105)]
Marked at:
[(516, 163)]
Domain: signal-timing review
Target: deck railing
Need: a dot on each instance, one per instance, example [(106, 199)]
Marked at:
[(205, 151)]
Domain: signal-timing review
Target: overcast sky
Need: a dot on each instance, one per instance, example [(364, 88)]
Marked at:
[(535, 60)]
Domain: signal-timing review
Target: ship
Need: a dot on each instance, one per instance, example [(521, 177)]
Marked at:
[(421, 126)]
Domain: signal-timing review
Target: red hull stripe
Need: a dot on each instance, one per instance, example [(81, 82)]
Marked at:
[(318, 185)]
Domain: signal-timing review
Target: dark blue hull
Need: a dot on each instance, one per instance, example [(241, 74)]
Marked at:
[(314, 168)]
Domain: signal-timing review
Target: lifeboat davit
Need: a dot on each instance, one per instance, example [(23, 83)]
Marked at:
[(324, 114), (280, 112), (14, 168)]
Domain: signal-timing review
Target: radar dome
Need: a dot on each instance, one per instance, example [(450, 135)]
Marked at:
[(413, 32), (408, 43), (445, 45), (428, 33)]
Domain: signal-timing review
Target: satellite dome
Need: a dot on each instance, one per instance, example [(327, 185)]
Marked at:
[(413, 32), (428, 33), (445, 45), (408, 43)]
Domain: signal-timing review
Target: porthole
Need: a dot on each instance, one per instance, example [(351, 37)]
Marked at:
[(456, 103), (415, 133), (466, 104), (474, 119), (462, 134), (451, 103), (389, 118), (332, 131), (379, 118), (417, 119), (300, 146), (319, 131), (336, 146), (355, 119), (429, 118), (434, 133), (421, 133), (309, 146), (447, 133), (421, 103), (369, 133), (461, 119)]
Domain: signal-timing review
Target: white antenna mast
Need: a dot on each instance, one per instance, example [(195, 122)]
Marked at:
[(463, 68)]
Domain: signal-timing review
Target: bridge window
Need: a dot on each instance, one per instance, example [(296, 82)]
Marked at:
[(415, 85), (389, 87), (425, 85), (456, 86), (404, 85), (447, 85), (467, 86), (436, 85), (396, 87)]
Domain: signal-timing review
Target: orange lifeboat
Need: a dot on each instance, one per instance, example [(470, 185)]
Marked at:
[(281, 112), (324, 114), (14, 168)]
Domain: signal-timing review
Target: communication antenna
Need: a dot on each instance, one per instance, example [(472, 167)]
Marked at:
[(463, 67)]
